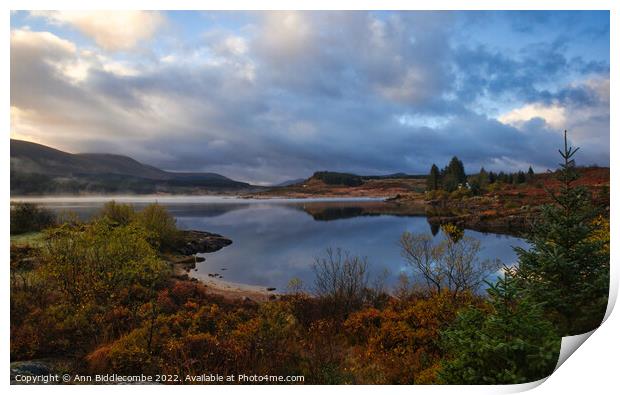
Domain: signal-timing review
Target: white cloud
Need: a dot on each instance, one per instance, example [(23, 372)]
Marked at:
[(119, 69), (112, 30), (236, 45), (419, 121), (63, 56), (553, 115), (22, 125), (45, 42)]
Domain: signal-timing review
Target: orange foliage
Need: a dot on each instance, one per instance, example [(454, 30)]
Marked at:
[(400, 344)]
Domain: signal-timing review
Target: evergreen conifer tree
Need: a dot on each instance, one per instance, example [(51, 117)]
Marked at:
[(433, 179), (530, 173), (566, 268), (512, 343)]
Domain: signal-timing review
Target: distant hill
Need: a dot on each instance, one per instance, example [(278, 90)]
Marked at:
[(334, 178), (396, 176), (38, 169), (349, 179), (290, 182)]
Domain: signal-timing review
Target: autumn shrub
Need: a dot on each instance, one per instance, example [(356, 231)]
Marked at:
[(96, 262), (28, 217), (323, 351), (401, 343), (160, 225), (495, 187), (438, 194), (460, 193), (270, 340), (119, 213), (600, 233), (129, 355), (91, 282), (511, 205), (340, 281)]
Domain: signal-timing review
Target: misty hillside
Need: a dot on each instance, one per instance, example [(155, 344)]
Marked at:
[(38, 169), (290, 182)]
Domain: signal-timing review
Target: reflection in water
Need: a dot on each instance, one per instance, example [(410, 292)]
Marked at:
[(331, 213), (275, 241)]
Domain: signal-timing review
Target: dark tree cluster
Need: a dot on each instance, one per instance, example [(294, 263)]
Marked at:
[(28, 217), (333, 178), (453, 177), (449, 178), (519, 177)]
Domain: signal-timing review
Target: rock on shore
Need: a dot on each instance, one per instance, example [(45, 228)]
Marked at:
[(197, 242)]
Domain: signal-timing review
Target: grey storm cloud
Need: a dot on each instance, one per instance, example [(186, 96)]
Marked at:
[(300, 92)]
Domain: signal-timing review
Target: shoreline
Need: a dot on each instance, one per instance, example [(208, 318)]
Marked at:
[(227, 289), (234, 290), (185, 259)]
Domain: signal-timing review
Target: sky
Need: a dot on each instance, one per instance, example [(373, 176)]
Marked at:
[(266, 97)]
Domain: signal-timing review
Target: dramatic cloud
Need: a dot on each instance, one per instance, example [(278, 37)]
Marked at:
[(112, 30), (553, 115), (270, 96)]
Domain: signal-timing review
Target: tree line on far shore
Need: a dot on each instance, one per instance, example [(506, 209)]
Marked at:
[(453, 177)]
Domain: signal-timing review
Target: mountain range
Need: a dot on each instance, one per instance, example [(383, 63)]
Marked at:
[(37, 169)]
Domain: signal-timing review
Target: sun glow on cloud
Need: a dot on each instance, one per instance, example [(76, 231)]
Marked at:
[(112, 30), (553, 115)]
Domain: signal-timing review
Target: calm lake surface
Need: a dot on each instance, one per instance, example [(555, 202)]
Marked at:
[(276, 240)]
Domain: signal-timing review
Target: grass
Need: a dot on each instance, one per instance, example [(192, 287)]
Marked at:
[(34, 239)]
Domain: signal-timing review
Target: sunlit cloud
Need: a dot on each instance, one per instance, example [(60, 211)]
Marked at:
[(553, 115), (112, 30)]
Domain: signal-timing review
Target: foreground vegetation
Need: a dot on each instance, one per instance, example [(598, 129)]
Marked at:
[(99, 297)]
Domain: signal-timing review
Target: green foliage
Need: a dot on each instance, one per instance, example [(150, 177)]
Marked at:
[(453, 179), (295, 285), (87, 285), (454, 232), (28, 217), (456, 170), (119, 213), (510, 344), (460, 193), (566, 268), (433, 179), (160, 225), (438, 194), (34, 239), (482, 179), (95, 262), (333, 178)]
